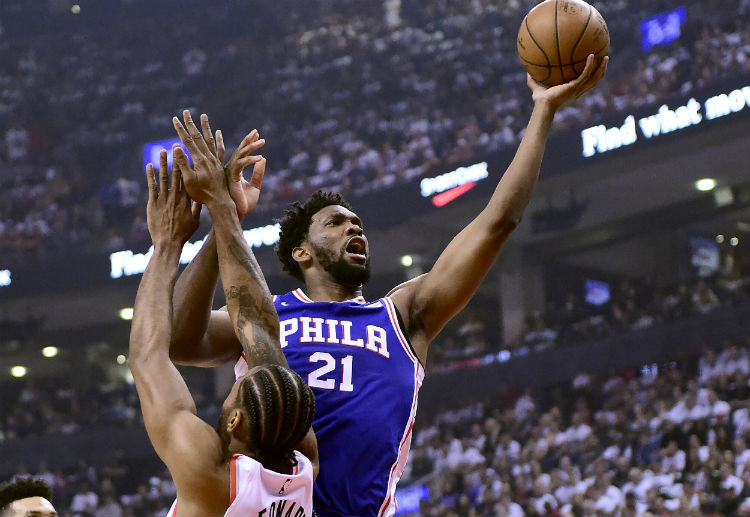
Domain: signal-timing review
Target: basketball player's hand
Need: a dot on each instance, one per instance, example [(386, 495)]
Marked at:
[(170, 216), (558, 96), (244, 193), (205, 181)]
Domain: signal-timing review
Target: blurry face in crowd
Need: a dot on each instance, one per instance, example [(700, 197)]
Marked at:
[(339, 244), (32, 507)]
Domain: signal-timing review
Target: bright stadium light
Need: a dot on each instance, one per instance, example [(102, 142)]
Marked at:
[(75, 9), (407, 261), (18, 371), (126, 313), (121, 359), (705, 184), (734, 241), (49, 351)]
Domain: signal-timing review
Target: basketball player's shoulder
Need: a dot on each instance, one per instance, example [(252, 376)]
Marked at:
[(407, 287)]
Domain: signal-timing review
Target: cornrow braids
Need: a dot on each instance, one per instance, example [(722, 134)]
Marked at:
[(295, 225), (280, 407), (22, 488)]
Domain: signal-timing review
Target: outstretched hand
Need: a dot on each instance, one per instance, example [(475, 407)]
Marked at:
[(244, 193), (558, 96), (205, 181), (169, 214)]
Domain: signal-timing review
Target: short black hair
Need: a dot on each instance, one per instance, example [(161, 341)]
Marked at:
[(295, 225), (280, 408), (22, 488)]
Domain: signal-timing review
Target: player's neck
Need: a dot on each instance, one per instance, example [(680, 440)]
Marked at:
[(328, 290)]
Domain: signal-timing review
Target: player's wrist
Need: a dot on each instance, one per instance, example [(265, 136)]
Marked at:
[(167, 248), (221, 204)]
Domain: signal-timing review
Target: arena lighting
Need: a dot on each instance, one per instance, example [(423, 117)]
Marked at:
[(126, 313), (18, 371), (734, 241), (407, 260), (121, 359), (705, 184), (49, 351), (75, 9), (5, 277), (719, 239)]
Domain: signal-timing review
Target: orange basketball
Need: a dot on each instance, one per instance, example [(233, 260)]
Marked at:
[(555, 38)]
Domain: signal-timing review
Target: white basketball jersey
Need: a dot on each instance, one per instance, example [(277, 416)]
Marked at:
[(256, 491)]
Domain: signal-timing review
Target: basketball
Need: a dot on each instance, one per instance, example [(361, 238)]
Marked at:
[(557, 36)]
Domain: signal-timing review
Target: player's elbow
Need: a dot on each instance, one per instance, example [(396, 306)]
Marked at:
[(506, 224)]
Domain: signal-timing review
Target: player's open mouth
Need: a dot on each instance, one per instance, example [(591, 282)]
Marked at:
[(357, 249)]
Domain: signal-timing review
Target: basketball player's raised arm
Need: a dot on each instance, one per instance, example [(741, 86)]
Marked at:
[(185, 443), (431, 300), (205, 337), (249, 301)]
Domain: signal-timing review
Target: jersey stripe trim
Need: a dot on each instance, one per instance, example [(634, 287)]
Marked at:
[(388, 508), (301, 296), (232, 479), (394, 321)]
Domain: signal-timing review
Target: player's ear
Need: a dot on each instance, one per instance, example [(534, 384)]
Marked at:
[(235, 420), (301, 254)]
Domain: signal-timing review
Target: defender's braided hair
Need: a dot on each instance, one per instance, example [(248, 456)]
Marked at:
[(296, 223), (280, 407)]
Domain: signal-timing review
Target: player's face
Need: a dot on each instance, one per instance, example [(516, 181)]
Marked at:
[(340, 246), (32, 507)]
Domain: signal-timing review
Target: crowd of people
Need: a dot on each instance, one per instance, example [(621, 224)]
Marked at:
[(350, 97), (672, 442)]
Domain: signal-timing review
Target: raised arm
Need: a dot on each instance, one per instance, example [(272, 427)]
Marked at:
[(205, 337), (430, 301), (188, 446), (249, 302)]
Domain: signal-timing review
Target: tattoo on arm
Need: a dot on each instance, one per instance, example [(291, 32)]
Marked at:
[(256, 321)]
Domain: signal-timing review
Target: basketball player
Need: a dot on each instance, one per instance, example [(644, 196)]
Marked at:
[(247, 465), (364, 361), (26, 497)]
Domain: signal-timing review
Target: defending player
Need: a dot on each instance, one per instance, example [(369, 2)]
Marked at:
[(364, 360), (247, 465)]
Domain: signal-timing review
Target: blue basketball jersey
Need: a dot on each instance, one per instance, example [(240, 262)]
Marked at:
[(365, 377)]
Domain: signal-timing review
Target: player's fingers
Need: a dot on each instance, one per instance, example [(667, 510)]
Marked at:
[(597, 75), (177, 177), (186, 138), (530, 82), (195, 134), (588, 70), (221, 151), (259, 169), (246, 142), (180, 158), (208, 135), (153, 191), (163, 172)]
